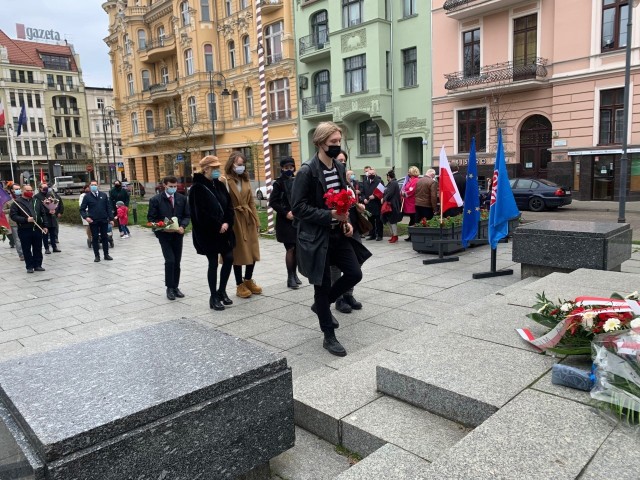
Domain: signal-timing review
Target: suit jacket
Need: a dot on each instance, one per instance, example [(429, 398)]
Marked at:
[(160, 208), (97, 208), (368, 186), (34, 208)]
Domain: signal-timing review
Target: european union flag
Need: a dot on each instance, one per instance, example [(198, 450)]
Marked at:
[(503, 206), (22, 120), (471, 214)]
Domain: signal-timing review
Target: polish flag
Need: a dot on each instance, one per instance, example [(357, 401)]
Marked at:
[(1, 114), (449, 194), (379, 191)]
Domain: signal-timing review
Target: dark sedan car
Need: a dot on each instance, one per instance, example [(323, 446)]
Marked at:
[(535, 194)]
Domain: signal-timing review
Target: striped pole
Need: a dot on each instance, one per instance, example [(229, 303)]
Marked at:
[(264, 113)]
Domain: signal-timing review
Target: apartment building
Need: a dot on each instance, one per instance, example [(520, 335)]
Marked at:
[(186, 83), (551, 75), (366, 66), (45, 79), (104, 131)]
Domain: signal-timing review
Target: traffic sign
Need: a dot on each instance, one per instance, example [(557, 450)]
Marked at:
[(120, 164), (179, 158), (89, 168)]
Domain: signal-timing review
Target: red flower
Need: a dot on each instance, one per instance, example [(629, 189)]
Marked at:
[(339, 201)]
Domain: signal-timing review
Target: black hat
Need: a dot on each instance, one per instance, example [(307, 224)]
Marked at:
[(287, 161)]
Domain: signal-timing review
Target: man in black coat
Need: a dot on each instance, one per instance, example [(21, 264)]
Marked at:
[(32, 219), (96, 210), (118, 194), (166, 205), (48, 195), (372, 203)]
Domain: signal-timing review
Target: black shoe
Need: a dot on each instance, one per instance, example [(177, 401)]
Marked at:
[(291, 282), (370, 237), (97, 259), (29, 270), (353, 303), (215, 303), (379, 239), (57, 250), (224, 298), (170, 294), (108, 257), (342, 306), (47, 251), (333, 345), (295, 277), (39, 269), (334, 321), (178, 293), (408, 239)]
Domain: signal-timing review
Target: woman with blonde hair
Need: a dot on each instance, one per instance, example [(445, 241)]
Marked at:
[(246, 226)]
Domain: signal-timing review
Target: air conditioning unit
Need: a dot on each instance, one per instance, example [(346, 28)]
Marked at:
[(303, 82)]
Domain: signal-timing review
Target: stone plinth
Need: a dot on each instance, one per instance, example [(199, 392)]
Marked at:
[(173, 400), (563, 246)]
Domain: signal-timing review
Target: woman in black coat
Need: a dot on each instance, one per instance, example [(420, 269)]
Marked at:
[(212, 219), (280, 201), (392, 197)]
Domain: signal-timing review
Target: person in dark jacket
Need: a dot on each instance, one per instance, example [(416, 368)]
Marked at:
[(55, 209), (280, 201), (212, 217), (166, 205), (372, 203), (118, 194), (96, 209), (324, 235), (392, 197), (32, 219)]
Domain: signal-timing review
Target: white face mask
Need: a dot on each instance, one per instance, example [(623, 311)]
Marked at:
[(239, 169)]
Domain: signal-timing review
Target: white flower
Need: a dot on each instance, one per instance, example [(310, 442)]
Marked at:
[(633, 295), (635, 323), (566, 307), (543, 308), (611, 324), (587, 320)]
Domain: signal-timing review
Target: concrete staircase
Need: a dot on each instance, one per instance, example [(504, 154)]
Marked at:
[(466, 398)]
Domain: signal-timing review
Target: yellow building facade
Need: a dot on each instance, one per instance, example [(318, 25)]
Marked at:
[(185, 72)]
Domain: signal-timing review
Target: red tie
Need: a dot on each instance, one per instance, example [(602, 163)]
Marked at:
[(171, 200)]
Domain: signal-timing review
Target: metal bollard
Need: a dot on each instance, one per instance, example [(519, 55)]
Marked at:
[(135, 212)]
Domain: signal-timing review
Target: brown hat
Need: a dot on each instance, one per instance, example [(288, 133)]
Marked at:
[(210, 161)]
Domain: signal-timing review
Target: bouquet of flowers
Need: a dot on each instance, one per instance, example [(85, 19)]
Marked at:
[(51, 203), (573, 324), (616, 361), (168, 224), (340, 201)]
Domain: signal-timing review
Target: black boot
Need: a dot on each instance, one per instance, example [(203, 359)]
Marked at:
[(342, 306), (291, 281), (332, 344), (215, 303), (353, 303), (295, 277), (222, 295), (334, 321)]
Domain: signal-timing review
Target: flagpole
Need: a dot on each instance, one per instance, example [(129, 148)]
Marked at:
[(13, 179)]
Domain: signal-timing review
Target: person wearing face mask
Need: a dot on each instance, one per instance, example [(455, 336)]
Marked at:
[(246, 226), (54, 214), (32, 219), (280, 201), (96, 210), (324, 235), (212, 217), (15, 192), (372, 203), (118, 194), (166, 205), (87, 228)]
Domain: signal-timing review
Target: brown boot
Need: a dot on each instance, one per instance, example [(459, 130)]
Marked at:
[(253, 286), (242, 291)]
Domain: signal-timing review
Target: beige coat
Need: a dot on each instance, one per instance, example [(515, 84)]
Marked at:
[(246, 223)]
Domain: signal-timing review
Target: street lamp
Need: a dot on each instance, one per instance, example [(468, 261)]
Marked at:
[(212, 112), (108, 111), (48, 133)]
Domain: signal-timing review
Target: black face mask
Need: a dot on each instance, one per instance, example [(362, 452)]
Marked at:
[(118, 186), (287, 173), (333, 151)]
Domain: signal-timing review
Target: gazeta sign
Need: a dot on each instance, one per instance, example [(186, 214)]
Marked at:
[(30, 33)]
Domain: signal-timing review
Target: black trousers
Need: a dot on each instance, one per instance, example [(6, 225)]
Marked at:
[(341, 255), (51, 236), (377, 231), (99, 229), (31, 240), (171, 244), (423, 212), (225, 271)]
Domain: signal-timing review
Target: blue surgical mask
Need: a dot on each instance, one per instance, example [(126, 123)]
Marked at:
[(94, 188), (239, 169), (171, 190), (352, 177), (17, 193), (215, 174)]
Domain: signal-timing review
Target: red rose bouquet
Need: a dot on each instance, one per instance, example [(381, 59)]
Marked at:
[(340, 201)]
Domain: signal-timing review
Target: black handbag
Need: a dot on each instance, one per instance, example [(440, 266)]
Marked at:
[(364, 225)]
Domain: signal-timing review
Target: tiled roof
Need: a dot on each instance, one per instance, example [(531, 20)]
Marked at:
[(22, 52)]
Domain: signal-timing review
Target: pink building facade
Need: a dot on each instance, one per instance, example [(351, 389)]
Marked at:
[(550, 73)]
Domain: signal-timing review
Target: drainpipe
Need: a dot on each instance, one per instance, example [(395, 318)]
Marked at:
[(393, 115)]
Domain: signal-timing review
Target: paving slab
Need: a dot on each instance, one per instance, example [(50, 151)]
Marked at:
[(535, 436), (389, 462), (618, 457), (442, 376)]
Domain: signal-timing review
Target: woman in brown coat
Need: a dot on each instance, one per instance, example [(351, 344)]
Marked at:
[(246, 225)]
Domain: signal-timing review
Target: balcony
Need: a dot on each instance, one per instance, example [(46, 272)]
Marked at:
[(162, 91), (66, 111), (314, 46), (504, 75), (462, 9), (71, 156), (269, 6), (158, 48), (317, 106), (280, 116)]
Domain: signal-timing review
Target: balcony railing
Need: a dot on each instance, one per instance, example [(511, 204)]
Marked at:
[(316, 104), (71, 156), (313, 42), (66, 111), (499, 72), (274, 58), (280, 115), (452, 5), (165, 41)]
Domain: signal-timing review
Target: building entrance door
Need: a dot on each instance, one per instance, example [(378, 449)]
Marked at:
[(603, 177), (535, 142)]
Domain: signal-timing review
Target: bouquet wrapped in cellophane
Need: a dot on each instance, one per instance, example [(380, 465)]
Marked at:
[(166, 225)]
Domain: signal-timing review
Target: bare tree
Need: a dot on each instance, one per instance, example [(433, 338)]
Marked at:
[(500, 111)]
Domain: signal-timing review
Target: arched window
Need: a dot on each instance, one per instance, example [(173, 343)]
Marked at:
[(142, 40), (369, 138), (232, 54), (130, 84), (320, 28), (246, 49), (134, 123), (146, 80), (279, 99), (193, 113), (213, 110), (161, 35), (248, 93), (188, 62), (148, 117), (235, 104), (208, 58), (184, 14), (273, 42)]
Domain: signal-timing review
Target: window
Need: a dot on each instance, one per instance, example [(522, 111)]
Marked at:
[(130, 84), (279, 99), (320, 28), (409, 8), (12, 99), (148, 117), (142, 40), (232, 54), (98, 126), (322, 90), (21, 76), (246, 49), (127, 44), (615, 15), (69, 82), (27, 148), (471, 53), (193, 113), (369, 138), (56, 62), (30, 77), (117, 126), (134, 123), (228, 7), (351, 12), (273, 41), (525, 46), (164, 74), (248, 93), (208, 58), (244, 4), (355, 74), (38, 101), (611, 116), (205, 14), (29, 100), (185, 16), (168, 118), (19, 148), (50, 81), (43, 147), (472, 123), (32, 124), (213, 109), (76, 127), (161, 35), (40, 125), (235, 104), (14, 75), (410, 64), (146, 80), (188, 62), (100, 103)]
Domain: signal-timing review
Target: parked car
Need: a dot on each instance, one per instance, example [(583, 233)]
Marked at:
[(183, 188), (261, 193), (135, 188), (535, 194)]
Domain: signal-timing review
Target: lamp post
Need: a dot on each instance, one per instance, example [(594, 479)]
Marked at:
[(107, 111), (48, 133), (212, 112), (113, 147)]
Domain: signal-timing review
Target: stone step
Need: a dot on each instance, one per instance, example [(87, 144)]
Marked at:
[(389, 462)]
